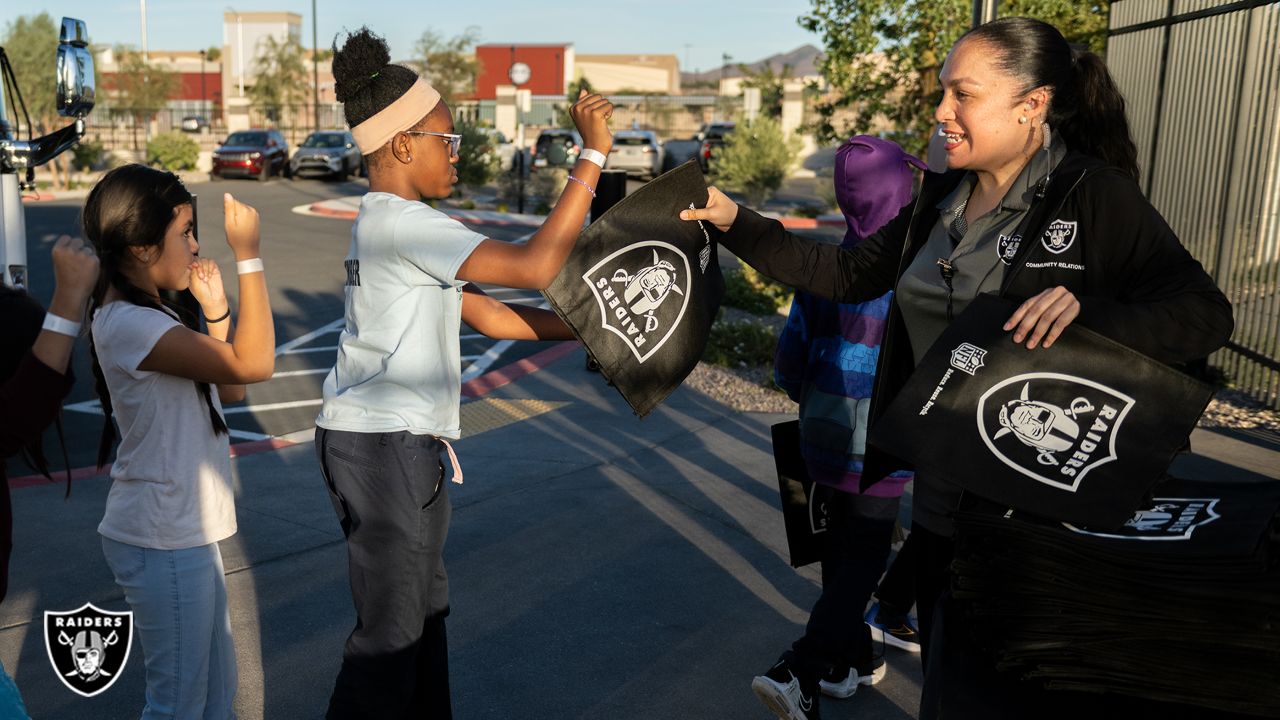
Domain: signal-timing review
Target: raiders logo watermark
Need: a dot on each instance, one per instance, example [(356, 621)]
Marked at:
[(643, 292), (1051, 427), (1007, 248), (1059, 236), (88, 647), (968, 358), (1167, 519)]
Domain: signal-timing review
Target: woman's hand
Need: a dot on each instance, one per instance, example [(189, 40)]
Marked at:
[(1044, 316), (720, 210), (591, 115), (206, 286), (241, 223)]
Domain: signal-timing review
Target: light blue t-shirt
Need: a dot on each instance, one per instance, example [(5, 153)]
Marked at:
[(399, 366)]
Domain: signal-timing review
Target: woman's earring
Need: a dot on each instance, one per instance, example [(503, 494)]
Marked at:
[(1047, 137), (1022, 120)]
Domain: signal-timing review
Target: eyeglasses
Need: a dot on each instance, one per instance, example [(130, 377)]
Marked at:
[(453, 141)]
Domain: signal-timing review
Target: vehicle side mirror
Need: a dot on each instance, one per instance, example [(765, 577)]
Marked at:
[(74, 70)]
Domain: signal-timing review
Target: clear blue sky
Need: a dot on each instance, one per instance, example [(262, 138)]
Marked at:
[(696, 31)]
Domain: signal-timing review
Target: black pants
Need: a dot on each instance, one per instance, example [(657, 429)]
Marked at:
[(854, 550), (390, 495), (897, 591)]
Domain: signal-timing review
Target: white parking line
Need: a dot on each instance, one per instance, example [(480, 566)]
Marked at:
[(303, 351), (334, 327), (296, 373)]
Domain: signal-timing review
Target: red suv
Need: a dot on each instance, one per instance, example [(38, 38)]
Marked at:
[(257, 152)]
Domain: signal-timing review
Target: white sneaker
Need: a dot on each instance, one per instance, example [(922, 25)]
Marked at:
[(845, 686), (784, 698)]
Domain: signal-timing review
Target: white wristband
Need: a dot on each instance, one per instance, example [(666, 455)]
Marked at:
[(592, 156), (60, 325), (252, 265)]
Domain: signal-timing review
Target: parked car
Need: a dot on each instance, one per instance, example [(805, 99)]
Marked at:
[(636, 151), (259, 152), (331, 153), (504, 149), (194, 123), (712, 137), (556, 148)]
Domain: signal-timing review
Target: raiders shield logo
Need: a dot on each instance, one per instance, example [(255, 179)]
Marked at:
[(642, 291), (1053, 428), (1007, 248), (1167, 519), (1059, 236), (88, 647)]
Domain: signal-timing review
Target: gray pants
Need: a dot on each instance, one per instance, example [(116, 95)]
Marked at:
[(390, 495)]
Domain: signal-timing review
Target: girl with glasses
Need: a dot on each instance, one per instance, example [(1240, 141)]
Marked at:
[(391, 403)]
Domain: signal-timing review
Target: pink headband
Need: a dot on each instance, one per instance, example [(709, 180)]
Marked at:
[(402, 114)]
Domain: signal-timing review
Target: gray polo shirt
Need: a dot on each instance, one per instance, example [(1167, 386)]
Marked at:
[(978, 256)]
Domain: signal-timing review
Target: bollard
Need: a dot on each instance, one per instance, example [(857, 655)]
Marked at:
[(611, 189)]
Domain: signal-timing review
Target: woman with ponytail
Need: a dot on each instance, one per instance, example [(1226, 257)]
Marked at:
[(391, 404), (1040, 205), (171, 497)]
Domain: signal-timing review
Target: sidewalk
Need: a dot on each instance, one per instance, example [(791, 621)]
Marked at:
[(601, 566)]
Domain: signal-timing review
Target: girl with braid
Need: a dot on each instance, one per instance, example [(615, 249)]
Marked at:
[(171, 497), (391, 403)]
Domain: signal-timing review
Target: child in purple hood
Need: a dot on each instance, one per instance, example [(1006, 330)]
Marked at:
[(826, 361)]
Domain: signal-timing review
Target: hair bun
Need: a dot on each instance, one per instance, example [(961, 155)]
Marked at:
[(355, 66)]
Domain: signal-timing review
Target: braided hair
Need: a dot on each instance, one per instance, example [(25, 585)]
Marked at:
[(365, 81), (131, 207)]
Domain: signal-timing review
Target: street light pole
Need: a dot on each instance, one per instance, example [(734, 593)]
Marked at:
[(204, 110), (984, 11), (315, 66)]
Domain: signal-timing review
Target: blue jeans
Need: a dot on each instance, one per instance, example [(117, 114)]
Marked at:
[(11, 707), (179, 603)]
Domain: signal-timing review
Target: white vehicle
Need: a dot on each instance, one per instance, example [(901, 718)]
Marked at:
[(502, 147), (18, 157)]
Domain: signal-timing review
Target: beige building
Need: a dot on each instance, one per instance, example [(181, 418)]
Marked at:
[(636, 74)]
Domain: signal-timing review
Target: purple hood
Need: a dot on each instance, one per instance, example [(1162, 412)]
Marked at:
[(873, 180)]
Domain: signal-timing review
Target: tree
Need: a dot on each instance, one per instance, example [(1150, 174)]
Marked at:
[(213, 54), (755, 159), (31, 42), (141, 88), (477, 158), (448, 64), (882, 58), (280, 76), (770, 85), (564, 118)]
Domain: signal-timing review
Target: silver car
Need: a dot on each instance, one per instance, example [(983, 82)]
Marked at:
[(636, 151), (331, 153)]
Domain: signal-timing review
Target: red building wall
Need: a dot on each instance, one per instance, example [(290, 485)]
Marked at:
[(187, 87), (546, 66)]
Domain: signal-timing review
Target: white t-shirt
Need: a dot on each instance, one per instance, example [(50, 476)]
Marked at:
[(171, 482), (399, 367)]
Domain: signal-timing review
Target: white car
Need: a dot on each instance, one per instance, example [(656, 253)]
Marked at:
[(502, 147), (636, 151)]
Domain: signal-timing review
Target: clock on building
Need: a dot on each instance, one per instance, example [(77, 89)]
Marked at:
[(519, 73)]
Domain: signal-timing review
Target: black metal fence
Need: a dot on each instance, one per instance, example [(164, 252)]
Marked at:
[(1203, 93)]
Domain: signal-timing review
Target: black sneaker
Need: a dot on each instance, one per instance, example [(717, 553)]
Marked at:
[(783, 693), (843, 682), (900, 631)]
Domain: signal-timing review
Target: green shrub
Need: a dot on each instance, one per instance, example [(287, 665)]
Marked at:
[(807, 211), (748, 290), (755, 159), (88, 155), (173, 151), (477, 160), (741, 343)]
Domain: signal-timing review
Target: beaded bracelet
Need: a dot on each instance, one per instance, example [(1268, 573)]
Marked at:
[(583, 184)]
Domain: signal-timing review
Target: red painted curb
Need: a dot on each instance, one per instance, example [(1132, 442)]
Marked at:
[(320, 209), (518, 369), (802, 223), (488, 382)]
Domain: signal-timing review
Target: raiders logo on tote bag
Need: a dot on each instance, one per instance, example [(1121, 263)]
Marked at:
[(1078, 432), (641, 288)]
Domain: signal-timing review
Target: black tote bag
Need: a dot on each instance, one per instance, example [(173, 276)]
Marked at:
[(642, 287)]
